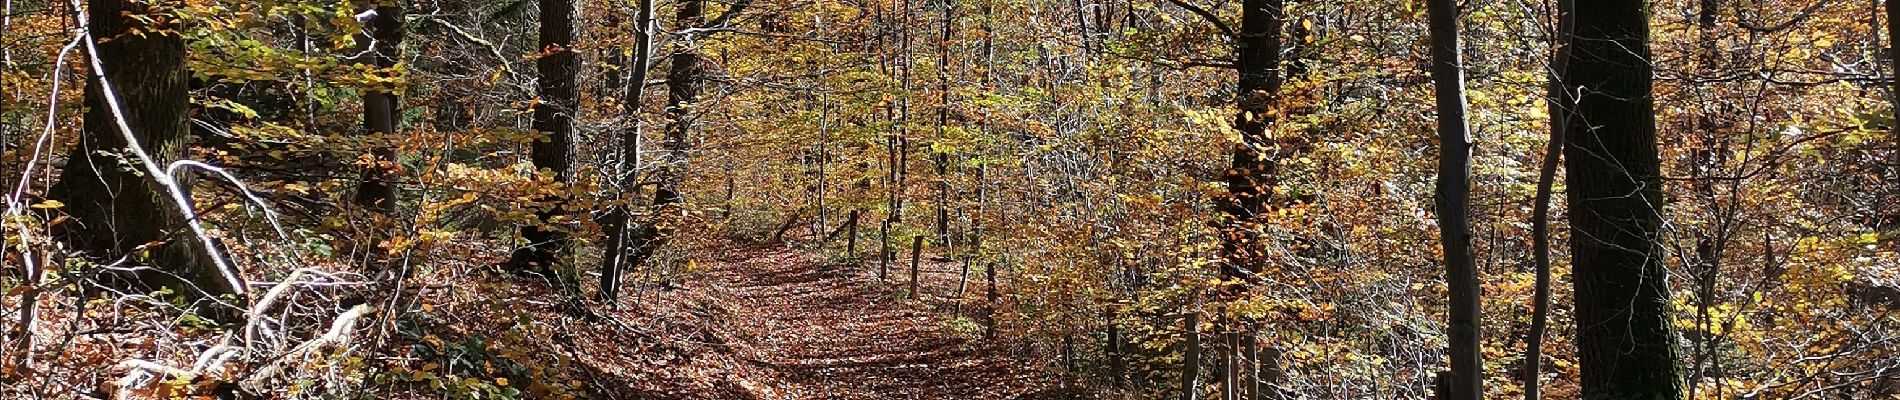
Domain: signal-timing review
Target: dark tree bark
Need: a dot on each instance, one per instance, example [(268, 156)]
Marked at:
[(1250, 178), (1625, 344), (1117, 363), (382, 33), (990, 296), (118, 208), (851, 243), (943, 120), (884, 250), (1454, 202), (620, 230), (1893, 57), (1558, 106), (553, 116), (1191, 355), (916, 250)]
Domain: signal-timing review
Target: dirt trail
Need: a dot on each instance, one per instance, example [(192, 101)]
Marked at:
[(768, 322), (837, 335)]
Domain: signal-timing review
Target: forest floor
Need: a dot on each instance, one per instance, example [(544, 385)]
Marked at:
[(771, 322)]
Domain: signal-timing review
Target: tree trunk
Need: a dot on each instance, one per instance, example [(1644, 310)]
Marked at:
[(884, 250), (683, 83), (1250, 346), (1117, 363), (1251, 178), (1558, 105), (851, 244), (916, 250), (620, 229), (1625, 344), (1191, 355), (1454, 198), (990, 296), (943, 119), (118, 208), (1893, 58), (383, 33), (553, 116)]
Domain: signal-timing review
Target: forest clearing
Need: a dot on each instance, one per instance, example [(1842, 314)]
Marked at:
[(950, 199)]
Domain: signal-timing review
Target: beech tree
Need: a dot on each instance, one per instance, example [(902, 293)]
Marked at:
[(382, 40), (119, 208), (553, 116)]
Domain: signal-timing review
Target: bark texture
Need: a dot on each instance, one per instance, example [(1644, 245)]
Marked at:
[(1466, 380), (1625, 344), (383, 33), (117, 208), (554, 117)]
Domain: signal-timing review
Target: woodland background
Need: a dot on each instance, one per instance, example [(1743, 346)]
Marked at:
[(426, 199)]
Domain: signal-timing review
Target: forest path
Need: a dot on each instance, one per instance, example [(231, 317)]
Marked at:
[(842, 335)]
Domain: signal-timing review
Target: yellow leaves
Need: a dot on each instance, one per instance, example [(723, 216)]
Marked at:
[(49, 204)]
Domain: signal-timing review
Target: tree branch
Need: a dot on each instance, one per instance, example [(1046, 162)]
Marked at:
[(1207, 15)]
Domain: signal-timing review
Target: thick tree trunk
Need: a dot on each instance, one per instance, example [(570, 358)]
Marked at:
[(383, 33), (553, 116), (1454, 198), (1625, 344), (1251, 177), (851, 243), (119, 207)]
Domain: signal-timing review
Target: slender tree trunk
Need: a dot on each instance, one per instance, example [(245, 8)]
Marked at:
[(1191, 355), (1230, 362), (1625, 344), (851, 245), (1250, 349), (683, 84), (824, 138), (943, 120), (1893, 59), (620, 229), (383, 32), (553, 116), (1559, 107), (990, 296), (120, 209), (916, 250), (884, 250), (1454, 198), (1117, 362)]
